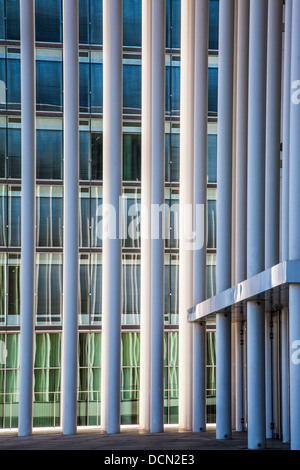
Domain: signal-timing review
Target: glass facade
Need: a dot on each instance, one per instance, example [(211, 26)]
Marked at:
[(49, 209)]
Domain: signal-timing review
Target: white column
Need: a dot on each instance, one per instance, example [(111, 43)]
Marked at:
[(256, 375), (112, 191), (268, 374), (28, 233), (158, 198), (284, 376), (241, 189), (146, 194), (200, 196), (224, 213), (240, 383), (256, 218), (286, 130), (186, 201), (294, 233), (152, 251), (273, 123), (71, 217)]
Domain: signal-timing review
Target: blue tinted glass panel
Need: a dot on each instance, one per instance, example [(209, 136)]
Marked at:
[(211, 281), (173, 15), (2, 20), (96, 88), (211, 224), (212, 91), (84, 152), (49, 289), (49, 221), (131, 157), (14, 153), (84, 232), (2, 84), (48, 85), (172, 90), (84, 21), (212, 158), (14, 220), (49, 154), (132, 23), (3, 218), (97, 156), (13, 84), (13, 20), (84, 87), (2, 153), (96, 15), (213, 24), (48, 20), (132, 89), (172, 144)]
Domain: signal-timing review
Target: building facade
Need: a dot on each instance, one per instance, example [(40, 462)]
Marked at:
[(50, 128)]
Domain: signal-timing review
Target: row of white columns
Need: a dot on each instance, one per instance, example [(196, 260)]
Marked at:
[(267, 107)]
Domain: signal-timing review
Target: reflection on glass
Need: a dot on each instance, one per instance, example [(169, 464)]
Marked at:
[(49, 288), (130, 378), (13, 289), (49, 207), (131, 289)]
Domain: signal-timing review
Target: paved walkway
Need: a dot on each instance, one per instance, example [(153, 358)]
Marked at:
[(172, 440)]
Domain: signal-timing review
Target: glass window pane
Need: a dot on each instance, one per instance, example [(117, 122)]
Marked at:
[(2, 152), (96, 15), (212, 91), (84, 21), (14, 216), (211, 281), (14, 153), (13, 84), (48, 85), (84, 87), (49, 148), (13, 20), (2, 83), (48, 20), (84, 151), (213, 24), (84, 293), (2, 19), (132, 89), (211, 224), (49, 209), (49, 288), (173, 16), (212, 158), (84, 218), (3, 216), (132, 23), (96, 217), (96, 288), (131, 157), (131, 290), (97, 156), (13, 290), (96, 88)]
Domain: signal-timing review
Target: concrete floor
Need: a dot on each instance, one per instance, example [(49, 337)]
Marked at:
[(129, 440)]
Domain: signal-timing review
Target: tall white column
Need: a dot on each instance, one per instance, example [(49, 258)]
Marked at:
[(241, 188), (112, 191), (71, 217), (240, 382), (153, 176), (28, 233), (200, 196), (256, 218), (294, 233), (224, 213), (284, 376), (273, 123), (268, 374), (285, 212), (186, 201), (286, 130)]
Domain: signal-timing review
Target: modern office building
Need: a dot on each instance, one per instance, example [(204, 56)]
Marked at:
[(109, 316)]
